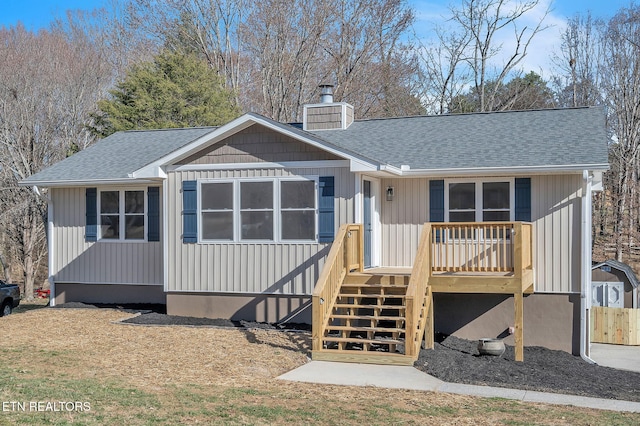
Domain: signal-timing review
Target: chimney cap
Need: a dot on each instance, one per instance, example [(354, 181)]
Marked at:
[(326, 93)]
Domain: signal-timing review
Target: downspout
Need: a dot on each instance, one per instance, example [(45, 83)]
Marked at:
[(50, 235), (164, 211), (585, 281)]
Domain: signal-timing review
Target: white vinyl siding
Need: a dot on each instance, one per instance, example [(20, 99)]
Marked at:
[(78, 261), (555, 215), (286, 267), (555, 211)]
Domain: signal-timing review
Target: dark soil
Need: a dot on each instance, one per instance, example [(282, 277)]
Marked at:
[(458, 361), (151, 314)]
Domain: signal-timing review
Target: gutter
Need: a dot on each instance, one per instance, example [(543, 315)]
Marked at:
[(407, 171), (95, 182), (585, 280)]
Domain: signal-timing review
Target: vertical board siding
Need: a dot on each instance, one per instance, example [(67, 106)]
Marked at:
[(555, 211), (79, 261), (252, 267), (402, 220)]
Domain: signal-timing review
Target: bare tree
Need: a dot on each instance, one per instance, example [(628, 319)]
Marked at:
[(579, 61), (283, 39), (446, 76), (368, 61), (621, 85), (48, 85), (476, 44)]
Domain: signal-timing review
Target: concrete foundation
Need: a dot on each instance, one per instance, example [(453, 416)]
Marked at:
[(550, 320), (258, 307), (109, 293)]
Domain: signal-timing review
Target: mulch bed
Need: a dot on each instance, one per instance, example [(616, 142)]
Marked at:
[(457, 360), (155, 315)]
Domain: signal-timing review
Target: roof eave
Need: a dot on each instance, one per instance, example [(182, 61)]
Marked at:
[(87, 182), (405, 171)]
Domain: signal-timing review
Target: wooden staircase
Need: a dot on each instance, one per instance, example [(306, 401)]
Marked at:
[(367, 318)]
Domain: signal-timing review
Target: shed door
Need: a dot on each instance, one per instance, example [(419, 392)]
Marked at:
[(608, 294)]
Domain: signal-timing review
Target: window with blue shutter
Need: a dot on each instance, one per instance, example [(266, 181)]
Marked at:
[(153, 214), (523, 199), (189, 211), (91, 208), (326, 216)]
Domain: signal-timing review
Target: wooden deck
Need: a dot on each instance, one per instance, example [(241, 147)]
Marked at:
[(382, 315)]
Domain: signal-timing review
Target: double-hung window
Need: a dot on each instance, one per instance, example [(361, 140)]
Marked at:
[(217, 211), (269, 210), (479, 201), (298, 209), (256, 210), (122, 214)]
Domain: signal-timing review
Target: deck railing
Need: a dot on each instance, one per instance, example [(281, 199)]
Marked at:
[(346, 254), (481, 246), (418, 297)]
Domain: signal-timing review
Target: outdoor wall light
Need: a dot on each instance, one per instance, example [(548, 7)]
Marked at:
[(390, 193)]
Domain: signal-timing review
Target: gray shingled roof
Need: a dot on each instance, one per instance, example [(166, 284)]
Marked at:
[(115, 156), (631, 276), (575, 136), (561, 137)]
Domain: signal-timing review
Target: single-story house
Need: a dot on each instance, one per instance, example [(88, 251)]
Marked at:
[(614, 285), (237, 221)]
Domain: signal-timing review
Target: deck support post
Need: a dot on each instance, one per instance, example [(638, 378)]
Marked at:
[(428, 329), (519, 322)]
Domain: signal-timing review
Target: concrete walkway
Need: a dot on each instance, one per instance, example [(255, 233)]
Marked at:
[(399, 377), (616, 356)]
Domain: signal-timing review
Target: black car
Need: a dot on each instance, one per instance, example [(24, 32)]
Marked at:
[(9, 298)]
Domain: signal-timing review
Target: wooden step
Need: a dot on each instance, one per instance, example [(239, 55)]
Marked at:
[(367, 317), (357, 306), (356, 278), (362, 357), (373, 295), (365, 329), (357, 340)]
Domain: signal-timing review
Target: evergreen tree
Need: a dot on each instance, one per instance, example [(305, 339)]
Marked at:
[(174, 90)]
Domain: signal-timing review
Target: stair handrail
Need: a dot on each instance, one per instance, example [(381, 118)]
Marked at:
[(418, 296), (346, 254)]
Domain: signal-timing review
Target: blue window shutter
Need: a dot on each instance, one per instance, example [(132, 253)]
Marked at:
[(91, 207), (523, 199), (189, 211), (153, 213), (436, 201), (326, 220)]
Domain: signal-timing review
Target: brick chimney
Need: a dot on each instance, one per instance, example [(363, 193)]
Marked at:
[(327, 115)]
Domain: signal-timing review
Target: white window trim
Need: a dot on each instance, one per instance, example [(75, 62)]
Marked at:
[(478, 187), (277, 210), (122, 215)]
